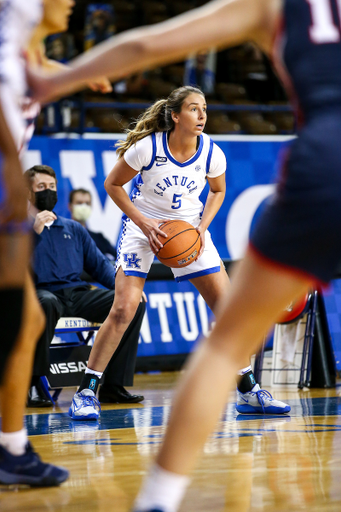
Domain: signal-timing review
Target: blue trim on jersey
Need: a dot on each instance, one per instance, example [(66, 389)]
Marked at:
[(153, 155), (206, 272), (135, 273), (125, 219), (135, 191), (209, 157), (169, 156)]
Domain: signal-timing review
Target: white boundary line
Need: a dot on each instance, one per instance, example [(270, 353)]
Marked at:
[(252, 138), (219, 138)]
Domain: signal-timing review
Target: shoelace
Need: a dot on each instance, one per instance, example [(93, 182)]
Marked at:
[(91, 401), (261, 395)]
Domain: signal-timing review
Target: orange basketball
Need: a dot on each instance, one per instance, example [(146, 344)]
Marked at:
[(182, 245)]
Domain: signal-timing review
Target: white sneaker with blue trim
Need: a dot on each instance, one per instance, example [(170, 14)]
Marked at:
[(85, 406), (260, 401)]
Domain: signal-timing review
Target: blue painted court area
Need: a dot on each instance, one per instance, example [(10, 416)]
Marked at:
[(38, 424)]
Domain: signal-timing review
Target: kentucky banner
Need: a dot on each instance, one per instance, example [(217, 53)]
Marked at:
[(252, 163)]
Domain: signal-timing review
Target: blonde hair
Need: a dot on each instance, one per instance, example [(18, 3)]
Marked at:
[(157, 118)]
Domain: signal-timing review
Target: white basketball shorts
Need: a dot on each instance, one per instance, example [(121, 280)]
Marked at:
[(135, 256)]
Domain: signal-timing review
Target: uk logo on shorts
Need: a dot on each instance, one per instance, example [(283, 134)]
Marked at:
[(131, 260)]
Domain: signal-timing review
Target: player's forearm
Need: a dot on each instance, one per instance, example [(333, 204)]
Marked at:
[(219, 23), (10, 151), (56, 69), (212, 206), (7, 144)]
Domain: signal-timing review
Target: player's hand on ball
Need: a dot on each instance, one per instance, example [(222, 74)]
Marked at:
[(202, 240), (150, 228)]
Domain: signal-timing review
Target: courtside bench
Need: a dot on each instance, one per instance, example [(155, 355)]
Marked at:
[(69, 360)]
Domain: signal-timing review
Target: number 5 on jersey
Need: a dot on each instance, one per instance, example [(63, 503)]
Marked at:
[(176, 202)]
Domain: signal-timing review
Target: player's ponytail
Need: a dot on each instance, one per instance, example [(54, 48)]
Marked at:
[(152, 120), (157, 118)]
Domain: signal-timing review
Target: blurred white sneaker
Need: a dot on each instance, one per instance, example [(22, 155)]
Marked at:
[(260, 401), (85, 406)]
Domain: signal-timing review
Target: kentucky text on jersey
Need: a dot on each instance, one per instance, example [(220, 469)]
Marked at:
[(175, 180), (166, 188)]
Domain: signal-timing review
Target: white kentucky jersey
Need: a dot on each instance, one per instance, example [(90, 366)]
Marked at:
[(18, 18), (166, 188)]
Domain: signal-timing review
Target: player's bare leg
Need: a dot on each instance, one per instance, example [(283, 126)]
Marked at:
[(257, 297), (128, 292), (16, 455), (13, 392), (213, 287), (250, 397), (14, 257)]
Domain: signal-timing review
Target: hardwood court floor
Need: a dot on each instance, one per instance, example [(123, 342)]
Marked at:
[(250, 463)]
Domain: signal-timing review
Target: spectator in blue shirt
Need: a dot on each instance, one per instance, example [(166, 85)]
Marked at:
[(80, 206), (200, 71), (63, 249)]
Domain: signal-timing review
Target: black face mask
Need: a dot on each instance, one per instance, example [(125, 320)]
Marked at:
[(45, 199)]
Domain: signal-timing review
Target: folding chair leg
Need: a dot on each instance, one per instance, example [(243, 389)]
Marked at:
[(305, 345), (56, 394), (45, 386), (308, 341), (311, 337)]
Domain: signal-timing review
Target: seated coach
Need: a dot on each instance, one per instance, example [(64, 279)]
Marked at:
[(62, 250)]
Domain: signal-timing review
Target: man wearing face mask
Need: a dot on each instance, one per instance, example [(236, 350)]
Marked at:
[(63, 249), (80, 203)]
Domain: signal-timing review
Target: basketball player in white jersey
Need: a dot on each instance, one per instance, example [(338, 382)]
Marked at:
[(19, 464), (172, 159)]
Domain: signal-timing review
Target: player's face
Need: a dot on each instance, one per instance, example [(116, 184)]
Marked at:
[(57, 14), (192, 117)]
